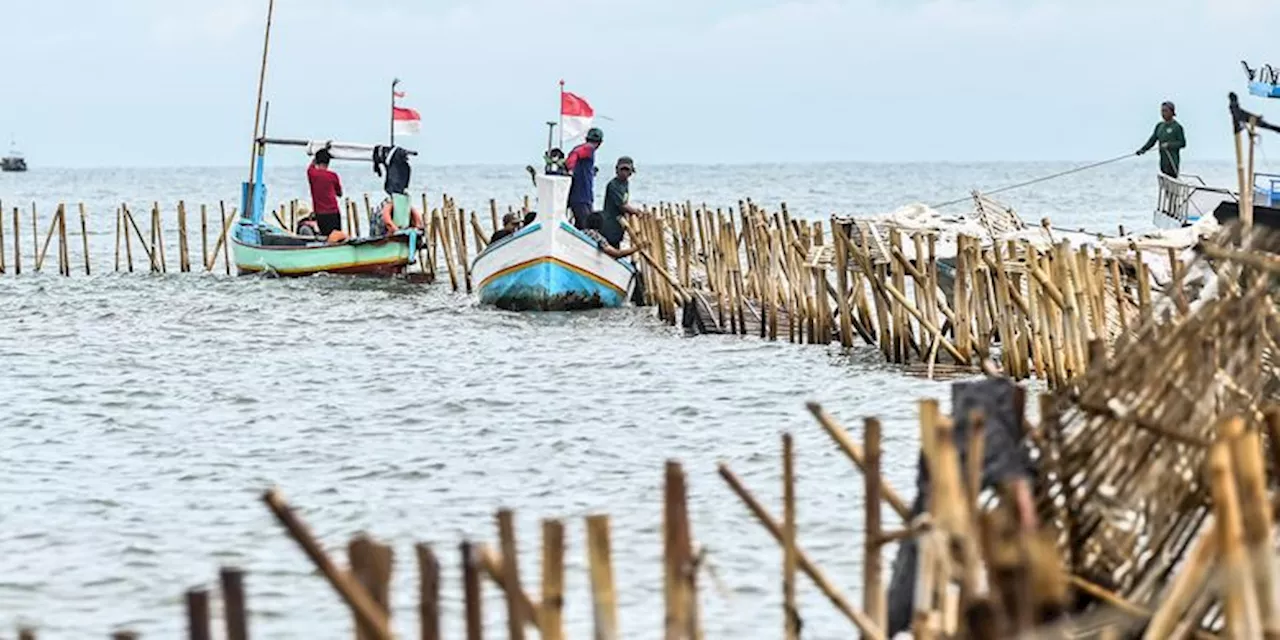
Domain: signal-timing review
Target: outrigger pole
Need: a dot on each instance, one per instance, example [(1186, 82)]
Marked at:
[(251, 198), (392, 113)]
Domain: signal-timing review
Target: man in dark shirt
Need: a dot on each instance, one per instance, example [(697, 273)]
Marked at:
[(510, 223), (581, 163), (616, 198), (326, 188), (1169, 134)]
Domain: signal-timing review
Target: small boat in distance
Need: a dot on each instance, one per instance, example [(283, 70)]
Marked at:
[(549, 265), (13, 161), (1264, 81)]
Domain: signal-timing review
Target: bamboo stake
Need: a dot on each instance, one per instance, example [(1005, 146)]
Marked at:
[(157, 236), (493, 213), (429, 592), (233, 606), (184, 260), (204, 235), (859, 619), (604, 601), (226, 243), (1240, 602), (550, 613), (371, 564), (511, 574), (198, 615), (84, 239), (64, 253), (35, 233), (471, 588), (2, 258), (1257, 515), (128, 242), (17, 249), (790, 615), (355, 595), (678, 554), (873, 595)]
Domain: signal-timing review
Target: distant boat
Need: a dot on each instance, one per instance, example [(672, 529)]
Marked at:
[(549, 265), (14, 160), (1263, 81)]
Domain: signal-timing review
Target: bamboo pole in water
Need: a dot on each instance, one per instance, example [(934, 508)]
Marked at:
[(84, 240), (371, 564), (204, 235), (157, 236), (511, 575), (234, 610), (442, 234), (493, 213), (35, 233), (43, 251), (604, 600), (550, 612), (198, 615), (429, 592), (17, 249), (184, 259), (2, 256), (791, 617), (473, 603), (64, 251), (873, 595)]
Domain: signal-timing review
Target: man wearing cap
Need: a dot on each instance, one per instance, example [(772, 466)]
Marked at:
[(616, 197), (581, 163), (1168, 133)]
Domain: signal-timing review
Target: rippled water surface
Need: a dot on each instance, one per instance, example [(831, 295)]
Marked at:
[(144, 414)]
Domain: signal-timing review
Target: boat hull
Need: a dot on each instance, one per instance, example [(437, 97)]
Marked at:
[(550, 266), (383, 257)]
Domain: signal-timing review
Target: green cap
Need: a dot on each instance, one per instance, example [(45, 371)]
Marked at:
[(595, 135)]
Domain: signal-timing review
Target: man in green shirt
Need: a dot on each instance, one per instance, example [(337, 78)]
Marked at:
[(616, 198), (1168, 134)]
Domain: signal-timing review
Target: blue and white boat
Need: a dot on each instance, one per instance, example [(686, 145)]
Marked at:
[(548, 265), (1264, 81)]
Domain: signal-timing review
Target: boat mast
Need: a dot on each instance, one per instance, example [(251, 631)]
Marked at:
[(257, 110), (394, 82)]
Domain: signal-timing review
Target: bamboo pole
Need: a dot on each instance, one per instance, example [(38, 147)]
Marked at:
[(234, 611), (226, 242), (873, 595), (493, 213), (184, 259), (2, 257), (859, 619), (355, 595), (198, 615), (84, 240), (429, 592), (35, 233), (64, 253), (604, 601), (42, 251), (678, 554), (17, 249), (371, 564), (157, 236), (550, 613), (204, 234), (473, 603), (511, 574), (790, 615), (1240, 600), (1246, 450)]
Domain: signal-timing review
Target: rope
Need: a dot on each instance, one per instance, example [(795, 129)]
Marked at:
[(1042, 179)]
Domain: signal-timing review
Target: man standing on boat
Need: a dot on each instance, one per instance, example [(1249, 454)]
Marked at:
[(326, 188), (616, 201), (581, 163), (1168, 134)]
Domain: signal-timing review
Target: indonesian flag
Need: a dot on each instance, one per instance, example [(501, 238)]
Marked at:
[(406, 122), (575, 115)]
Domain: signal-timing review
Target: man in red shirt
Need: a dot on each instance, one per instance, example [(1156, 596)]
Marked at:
[(326, 188)]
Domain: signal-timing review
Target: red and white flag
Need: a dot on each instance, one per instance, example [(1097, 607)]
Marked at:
[(407, 122), (575, 115)]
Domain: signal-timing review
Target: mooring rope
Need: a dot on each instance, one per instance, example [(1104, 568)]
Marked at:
[(1037, 180)]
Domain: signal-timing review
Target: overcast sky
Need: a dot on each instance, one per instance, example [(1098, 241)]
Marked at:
[(171, 82)]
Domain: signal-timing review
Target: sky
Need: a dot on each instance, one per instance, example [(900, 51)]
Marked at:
[(173, 82)]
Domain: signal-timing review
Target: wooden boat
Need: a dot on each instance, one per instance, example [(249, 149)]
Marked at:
[(13, 161), (548, 265), (259, 246)]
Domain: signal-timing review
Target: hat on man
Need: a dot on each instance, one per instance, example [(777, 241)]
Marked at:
[(625, 163)]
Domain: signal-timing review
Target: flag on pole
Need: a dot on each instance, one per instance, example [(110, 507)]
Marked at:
[(575, 115), (406, 121)]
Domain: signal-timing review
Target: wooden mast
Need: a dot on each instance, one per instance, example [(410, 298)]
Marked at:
[(257, 110)]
